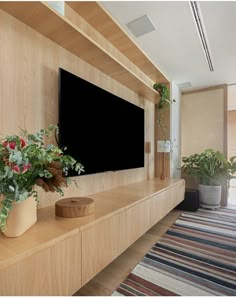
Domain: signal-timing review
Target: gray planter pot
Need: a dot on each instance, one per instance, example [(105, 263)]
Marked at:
[(210, 196)]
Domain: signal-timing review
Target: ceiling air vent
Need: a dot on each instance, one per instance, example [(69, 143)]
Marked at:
[(184, 85), (197, 16), (141, 26)]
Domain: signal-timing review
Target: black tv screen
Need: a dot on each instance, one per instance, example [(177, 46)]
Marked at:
[(100, 130)]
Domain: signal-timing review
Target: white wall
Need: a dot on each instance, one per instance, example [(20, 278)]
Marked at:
[(175, 132)]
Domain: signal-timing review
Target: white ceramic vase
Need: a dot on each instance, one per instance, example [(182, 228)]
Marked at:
[(210, 196), (22, 216)]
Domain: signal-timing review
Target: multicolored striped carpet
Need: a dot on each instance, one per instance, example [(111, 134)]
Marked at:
[(196, 257)]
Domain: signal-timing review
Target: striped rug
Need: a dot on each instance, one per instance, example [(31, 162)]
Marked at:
[(195, 257)]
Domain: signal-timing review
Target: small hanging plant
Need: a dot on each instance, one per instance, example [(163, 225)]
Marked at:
[(162, 105), (164, 95)]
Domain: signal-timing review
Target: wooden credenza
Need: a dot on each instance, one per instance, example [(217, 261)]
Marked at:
[(57, 256)]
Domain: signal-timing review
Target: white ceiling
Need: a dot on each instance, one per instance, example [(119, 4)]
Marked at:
[(175, 46)]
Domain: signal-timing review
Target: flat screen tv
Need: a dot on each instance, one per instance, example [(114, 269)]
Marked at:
[(99, 129)]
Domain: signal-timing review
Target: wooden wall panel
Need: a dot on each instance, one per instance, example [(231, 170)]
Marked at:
[(160, 135), (149, 137), (204, 120), (204, 125), (29, 97)]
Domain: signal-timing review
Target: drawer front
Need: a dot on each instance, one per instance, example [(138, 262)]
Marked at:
[(101, 243), (55, 271), (159, 206), (163, 202), (138, 220), (180, 191)]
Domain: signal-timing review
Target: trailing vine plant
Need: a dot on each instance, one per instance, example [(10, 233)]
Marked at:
[(162, 106)]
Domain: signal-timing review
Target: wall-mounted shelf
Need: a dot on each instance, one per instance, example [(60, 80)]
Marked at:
[(96, 15), (45, 20)]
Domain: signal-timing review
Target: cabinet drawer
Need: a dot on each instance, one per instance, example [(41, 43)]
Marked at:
[(138, 220), (55, 271), (180, 191), (102, 243), (159, 206)]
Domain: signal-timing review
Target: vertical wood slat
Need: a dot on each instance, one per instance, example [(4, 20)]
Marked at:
[(159, 136)]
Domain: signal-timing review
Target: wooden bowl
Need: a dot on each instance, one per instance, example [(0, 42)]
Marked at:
[(74, 207)]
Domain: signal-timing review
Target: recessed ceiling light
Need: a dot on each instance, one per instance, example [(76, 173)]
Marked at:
[(141, 26)]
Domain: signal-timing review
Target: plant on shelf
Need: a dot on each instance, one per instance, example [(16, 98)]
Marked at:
[(162, 106), (210, 168), (25, 161)]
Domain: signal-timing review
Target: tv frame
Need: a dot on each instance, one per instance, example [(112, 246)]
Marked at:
[(113, 100)]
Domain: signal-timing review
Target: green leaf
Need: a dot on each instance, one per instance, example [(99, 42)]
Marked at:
[(11, 188), (23, 196), (210, 166)]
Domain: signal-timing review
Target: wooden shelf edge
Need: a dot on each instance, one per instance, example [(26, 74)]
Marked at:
[(37, 15), (96, 14)]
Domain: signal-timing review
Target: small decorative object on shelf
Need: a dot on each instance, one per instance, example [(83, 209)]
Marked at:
[(74, 207), (25, 161)]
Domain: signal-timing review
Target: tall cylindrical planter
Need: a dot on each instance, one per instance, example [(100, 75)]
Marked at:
[(210, 196), (22, 216)]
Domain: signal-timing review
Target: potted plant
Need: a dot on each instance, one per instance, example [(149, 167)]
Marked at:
[(26, 161), (162, 106), (212, 169)]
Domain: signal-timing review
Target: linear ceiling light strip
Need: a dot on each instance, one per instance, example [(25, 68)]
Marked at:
[(202, 35)]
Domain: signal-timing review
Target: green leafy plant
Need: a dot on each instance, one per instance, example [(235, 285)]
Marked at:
[(209, 167), (25, 161), (162, 106), (163, 90)]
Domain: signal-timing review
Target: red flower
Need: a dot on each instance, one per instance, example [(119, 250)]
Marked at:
[(5, 143), (26, 167), (16, 169), (12, 145), (22, 143)]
